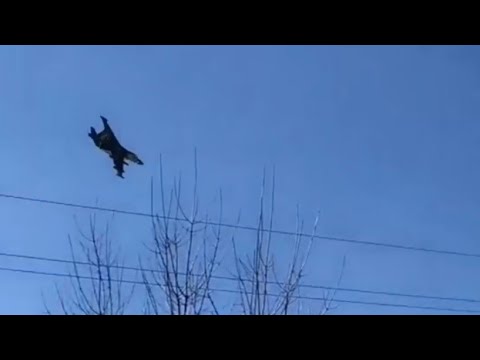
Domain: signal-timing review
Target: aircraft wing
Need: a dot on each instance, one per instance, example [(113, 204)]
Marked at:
[(133, 157), (118, 162)]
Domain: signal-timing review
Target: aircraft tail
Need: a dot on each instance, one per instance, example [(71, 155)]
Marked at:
[(105, 122), (93, 133)]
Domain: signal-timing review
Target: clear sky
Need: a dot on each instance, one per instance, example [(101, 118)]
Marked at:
[(383, 140)]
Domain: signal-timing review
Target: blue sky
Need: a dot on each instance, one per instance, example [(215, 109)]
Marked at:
[(384, 141)]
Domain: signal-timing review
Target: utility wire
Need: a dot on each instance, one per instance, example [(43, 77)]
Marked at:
[(378, 304), (250, 228), (232, 278), (361, 242)]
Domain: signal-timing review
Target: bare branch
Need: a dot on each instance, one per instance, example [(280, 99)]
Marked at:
[(104, 293), (183, 254), (183, 257)]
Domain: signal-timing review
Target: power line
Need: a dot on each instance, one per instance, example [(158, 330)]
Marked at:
[(250, 228), (231, 278), (378, 304), (373, 292)]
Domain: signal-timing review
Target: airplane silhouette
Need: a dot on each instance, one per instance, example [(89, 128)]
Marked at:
[(108, 142)]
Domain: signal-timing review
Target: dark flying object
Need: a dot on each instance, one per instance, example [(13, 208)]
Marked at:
[(108, 142)]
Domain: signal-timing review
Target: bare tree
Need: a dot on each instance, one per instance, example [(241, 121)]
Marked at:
[(261, 289), (180, 273), (185, 255), (97, 282)]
